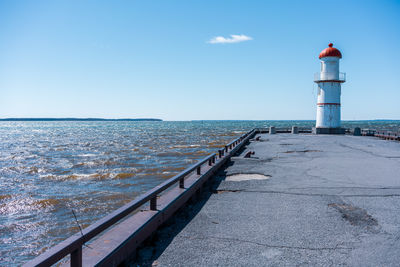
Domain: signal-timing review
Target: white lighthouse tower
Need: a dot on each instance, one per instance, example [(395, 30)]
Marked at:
[(329, 82)]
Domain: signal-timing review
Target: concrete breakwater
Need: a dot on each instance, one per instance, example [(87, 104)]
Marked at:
[(276, 160), (303, 200)]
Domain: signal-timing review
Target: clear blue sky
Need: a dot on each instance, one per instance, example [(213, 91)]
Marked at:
[(128, 59)]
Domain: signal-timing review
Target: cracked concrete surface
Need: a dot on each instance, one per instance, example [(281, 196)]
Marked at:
[(335, 205)]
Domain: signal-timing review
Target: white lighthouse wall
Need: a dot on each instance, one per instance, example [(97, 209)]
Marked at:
[(328, 107), (329, 68), (328, 116), (329, 92)]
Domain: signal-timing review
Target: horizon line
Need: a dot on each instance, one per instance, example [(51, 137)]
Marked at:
[(157, 119)]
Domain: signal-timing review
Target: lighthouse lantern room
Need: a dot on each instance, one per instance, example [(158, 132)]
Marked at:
[(329, 82)]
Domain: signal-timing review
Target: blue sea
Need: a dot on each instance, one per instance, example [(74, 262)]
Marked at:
[(49, 169)]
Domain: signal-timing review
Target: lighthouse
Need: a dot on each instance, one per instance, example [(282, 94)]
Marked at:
[(329, 82)]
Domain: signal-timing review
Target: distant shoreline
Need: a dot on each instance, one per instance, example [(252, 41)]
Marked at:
[(76, 119)]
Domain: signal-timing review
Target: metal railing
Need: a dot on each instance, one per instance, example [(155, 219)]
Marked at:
[(285, 130), (330, 77), (388, 135), (368, 132), (73, 245), (384, 134)]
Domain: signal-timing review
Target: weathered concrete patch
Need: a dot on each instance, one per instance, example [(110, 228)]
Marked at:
[(355, 215), (246, 176), (258, 139), (271, 253), (302, 151), (227, 191)]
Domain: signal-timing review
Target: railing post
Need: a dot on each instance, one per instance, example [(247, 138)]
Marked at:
[(220, 153), (76, 257), (153, 203), (199, 170), (182, 182), (213, 159), (210, 162), (226, 148)]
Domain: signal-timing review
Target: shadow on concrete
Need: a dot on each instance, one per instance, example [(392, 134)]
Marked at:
[(155, 245), (152, 248)]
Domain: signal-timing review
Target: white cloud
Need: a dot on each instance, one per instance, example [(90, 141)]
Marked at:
[(229, 40)]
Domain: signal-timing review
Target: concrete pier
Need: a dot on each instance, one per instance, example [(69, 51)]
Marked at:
[(299, 200)]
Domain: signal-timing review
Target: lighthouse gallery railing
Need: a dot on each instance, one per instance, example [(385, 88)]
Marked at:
[(330, 77)]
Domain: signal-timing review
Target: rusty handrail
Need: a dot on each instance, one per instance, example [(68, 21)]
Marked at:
[(73, 245), (385, 134)]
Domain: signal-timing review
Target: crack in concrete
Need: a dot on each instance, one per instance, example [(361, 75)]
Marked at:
[(301, 151), (307, 173), (300, 194), (330, 195), (226, 191), (346, 187), (337, 247), (368, 152)]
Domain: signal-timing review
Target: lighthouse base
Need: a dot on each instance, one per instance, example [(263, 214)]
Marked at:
[(320, 130)]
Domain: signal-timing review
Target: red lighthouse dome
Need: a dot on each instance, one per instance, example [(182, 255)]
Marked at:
[(330, 52)]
